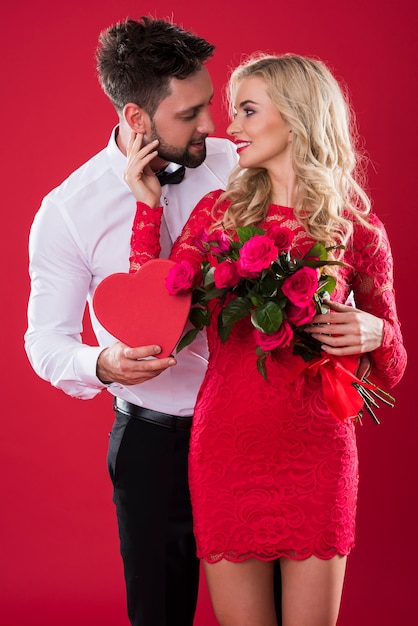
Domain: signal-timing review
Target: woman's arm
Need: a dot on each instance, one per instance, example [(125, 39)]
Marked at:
[(145, 239), (372, 326)]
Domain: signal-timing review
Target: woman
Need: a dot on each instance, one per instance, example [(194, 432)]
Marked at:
[(273, 474)]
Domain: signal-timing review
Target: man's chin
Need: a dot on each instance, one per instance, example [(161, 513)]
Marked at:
[(194, 157)]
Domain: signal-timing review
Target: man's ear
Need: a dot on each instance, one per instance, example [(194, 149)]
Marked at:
[(136, 118)]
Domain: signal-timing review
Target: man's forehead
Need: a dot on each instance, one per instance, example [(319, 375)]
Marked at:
[(191, 92)]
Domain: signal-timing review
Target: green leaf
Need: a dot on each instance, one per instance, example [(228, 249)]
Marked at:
[(187, 339), (268, 284), (198, 296), (234, 311), (199, 317), (208, 278), (224, 330), (261, 365), (306, 346), (339, 247), (315, 263), (327, 283), (317, 250), (283, 266), (246, 232), (257, 301), (268, 318), (213, 292)]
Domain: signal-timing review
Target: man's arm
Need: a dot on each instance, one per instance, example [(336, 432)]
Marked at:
[(60, 284)]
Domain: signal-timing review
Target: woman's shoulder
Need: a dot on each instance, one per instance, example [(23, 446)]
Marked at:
[(369, 240), (212, 200), (366, 227)]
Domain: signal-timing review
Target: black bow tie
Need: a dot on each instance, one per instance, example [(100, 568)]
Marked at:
[(171, 178)]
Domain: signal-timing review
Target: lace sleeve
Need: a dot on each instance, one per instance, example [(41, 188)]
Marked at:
[(145, 239), (187, 245), (374, 292)]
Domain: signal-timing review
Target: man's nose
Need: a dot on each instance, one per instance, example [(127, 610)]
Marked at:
[(206, 124)]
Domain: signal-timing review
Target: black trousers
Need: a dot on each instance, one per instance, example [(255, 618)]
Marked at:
[(148, 467)]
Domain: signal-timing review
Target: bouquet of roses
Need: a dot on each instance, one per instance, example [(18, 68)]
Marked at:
[(256, 275)]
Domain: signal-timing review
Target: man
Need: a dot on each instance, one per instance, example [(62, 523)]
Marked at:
[(155, 75)]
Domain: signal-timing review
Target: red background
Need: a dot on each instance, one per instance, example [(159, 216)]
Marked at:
[(59, 550)]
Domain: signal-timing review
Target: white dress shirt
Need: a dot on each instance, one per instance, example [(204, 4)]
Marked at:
[(80, 235)]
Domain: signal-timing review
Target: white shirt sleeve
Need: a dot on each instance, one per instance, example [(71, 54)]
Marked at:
[(60, 281), (79, 236)]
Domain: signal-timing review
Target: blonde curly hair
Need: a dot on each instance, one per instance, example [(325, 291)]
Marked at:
[(329, 177)]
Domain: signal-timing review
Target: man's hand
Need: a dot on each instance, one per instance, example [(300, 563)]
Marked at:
[(129, 366)]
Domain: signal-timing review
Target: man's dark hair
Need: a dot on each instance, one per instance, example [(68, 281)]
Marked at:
[(137, 59)]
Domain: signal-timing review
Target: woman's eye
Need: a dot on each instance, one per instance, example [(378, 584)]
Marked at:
[(248, 112)]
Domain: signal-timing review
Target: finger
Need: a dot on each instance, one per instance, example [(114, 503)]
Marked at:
[(336, 330), (132, 137), (137, 144), (337, 306), (345, 351), (141, 352), (137, 164), (146, 160), (144, 366), (331, 319), (338, 341), (137, 161), (147, 148)]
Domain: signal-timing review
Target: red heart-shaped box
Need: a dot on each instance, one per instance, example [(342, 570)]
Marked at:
[(138, 310)]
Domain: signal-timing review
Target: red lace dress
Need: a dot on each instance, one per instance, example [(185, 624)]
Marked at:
[(272, 472)]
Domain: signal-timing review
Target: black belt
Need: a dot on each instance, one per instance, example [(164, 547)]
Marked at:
[(148, 415)]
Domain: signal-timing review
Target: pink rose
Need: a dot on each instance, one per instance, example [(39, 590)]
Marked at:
[(226, 275), (256, 254), (280, 339), (222, 240), (282, 236), (298, 316), (301, 286), (201, 241), (180, 278)]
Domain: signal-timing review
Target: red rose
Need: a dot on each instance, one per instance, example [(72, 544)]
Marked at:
[(180, 278), (298, 316), (280, 339), (256, 254), (226, 275), (282, 236), (301, 286)]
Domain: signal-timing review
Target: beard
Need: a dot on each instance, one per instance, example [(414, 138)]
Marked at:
[(182, 156)]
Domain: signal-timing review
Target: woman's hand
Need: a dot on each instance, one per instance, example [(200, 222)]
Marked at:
[(346, 330), (138, 173)]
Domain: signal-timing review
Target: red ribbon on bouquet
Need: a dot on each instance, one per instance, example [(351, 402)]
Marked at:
[(339, 383)]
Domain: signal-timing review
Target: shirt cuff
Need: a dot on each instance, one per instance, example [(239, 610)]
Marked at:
[(85, 366)]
